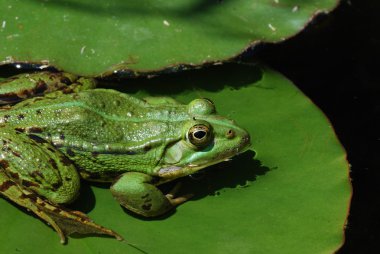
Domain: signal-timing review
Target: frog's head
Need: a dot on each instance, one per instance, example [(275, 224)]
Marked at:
[(207, 139)]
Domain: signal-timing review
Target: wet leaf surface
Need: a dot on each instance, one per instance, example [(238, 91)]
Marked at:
[(289, 195), (92, 37)]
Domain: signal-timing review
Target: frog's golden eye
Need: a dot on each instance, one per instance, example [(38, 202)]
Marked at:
[(199, 135)]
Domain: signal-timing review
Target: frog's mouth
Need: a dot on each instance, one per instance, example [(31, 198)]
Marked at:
[(181, 169)]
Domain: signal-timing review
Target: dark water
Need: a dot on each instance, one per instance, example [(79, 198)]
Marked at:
[(336, 62)]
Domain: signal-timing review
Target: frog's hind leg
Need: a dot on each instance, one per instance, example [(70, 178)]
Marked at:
[(35, 175), (13, 192), (63, 221), (29, 200), (24, 86)]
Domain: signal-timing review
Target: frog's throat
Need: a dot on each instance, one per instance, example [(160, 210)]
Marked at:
[(172, 172)]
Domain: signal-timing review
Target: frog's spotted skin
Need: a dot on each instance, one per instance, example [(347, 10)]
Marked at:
[(62, 129)]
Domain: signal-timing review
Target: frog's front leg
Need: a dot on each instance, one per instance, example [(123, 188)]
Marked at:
[(137, 192), (24, 86), (34, 175)]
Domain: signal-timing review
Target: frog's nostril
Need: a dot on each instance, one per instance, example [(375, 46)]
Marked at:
[(246, 139)]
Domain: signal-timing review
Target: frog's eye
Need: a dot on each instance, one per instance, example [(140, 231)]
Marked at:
[(199, 135)]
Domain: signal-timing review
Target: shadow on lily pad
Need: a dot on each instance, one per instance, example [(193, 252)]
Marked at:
[(240, 172), (212, 78), (86, 199)]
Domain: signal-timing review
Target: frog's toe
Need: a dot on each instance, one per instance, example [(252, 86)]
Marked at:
[(172, 195), (175, 201)]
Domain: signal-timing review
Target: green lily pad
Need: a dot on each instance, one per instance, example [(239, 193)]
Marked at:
[(93, 37), (292, 197)]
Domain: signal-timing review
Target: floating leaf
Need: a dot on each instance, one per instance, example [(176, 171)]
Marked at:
[(292, 197), (92, 37)]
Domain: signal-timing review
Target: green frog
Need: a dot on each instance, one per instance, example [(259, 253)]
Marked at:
[(56, 128)]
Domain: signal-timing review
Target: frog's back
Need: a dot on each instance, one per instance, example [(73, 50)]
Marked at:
[(99, 100), (95, 127), (104, 115)]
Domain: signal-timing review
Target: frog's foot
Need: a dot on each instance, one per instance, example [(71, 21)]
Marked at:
[(137, 192), (64, 221), (67, 222), (172, 195)]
